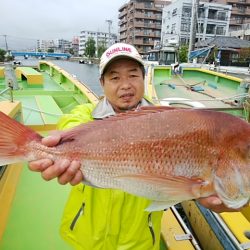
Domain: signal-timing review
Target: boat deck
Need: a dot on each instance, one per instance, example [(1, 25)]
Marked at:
[(30, 216), (44, 103), (196, 88), (35, 214), (200, 88)]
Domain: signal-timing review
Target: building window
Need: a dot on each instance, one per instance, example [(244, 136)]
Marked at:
[(212, 14), (185, 27), (211, 29), (173, 28), (174, 13), (220, 30), (222, 16), (242, 9), (186, 12)]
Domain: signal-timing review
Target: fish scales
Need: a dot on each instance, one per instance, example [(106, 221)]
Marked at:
[(164, 155)]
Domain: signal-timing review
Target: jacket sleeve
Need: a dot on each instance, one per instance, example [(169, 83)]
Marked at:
[(80, 114)]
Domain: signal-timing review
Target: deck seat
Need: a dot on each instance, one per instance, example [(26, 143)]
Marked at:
[(1, 72), (33, 77), (50, 111)]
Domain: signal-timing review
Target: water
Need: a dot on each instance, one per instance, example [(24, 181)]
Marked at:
[(86, 73)]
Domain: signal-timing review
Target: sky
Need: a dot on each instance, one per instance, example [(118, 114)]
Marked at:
[(25, 21)]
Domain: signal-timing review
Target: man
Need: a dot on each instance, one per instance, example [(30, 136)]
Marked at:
[(102, 218)]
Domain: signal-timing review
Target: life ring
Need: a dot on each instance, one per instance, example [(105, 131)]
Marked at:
[(179, 100)]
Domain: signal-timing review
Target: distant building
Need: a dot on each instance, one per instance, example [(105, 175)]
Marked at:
[(242, 31), (140, 23), (75, 45), (101, 38), (213, 20), (57, 45), (240, 12), (233, 51), (44, 45)]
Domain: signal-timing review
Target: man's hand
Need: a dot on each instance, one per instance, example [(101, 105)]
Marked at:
[(64, 170), (215, 204)]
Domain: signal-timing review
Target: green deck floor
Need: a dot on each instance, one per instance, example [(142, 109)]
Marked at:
[(34, 218)]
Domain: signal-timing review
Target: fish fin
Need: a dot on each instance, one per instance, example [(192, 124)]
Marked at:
[(160, 205), (14, 136), (172, 187)]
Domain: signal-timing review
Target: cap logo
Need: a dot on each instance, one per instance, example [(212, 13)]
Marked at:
[(118, 49)]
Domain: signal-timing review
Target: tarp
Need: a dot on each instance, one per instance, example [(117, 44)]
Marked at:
[(199, 53)]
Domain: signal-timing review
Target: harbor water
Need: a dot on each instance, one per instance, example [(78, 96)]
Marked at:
[(86, 73)]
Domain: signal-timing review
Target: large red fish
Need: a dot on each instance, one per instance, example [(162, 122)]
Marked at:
[(164, 155)]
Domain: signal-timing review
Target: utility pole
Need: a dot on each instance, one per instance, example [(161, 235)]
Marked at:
[(6, 44), (109, 24), (194, 11)]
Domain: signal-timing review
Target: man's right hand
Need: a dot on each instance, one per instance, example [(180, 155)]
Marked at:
[(62, 169)]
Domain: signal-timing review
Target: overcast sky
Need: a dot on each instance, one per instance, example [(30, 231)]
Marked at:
[(24, 21)]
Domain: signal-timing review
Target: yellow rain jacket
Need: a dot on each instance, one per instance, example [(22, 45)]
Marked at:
[(105, 219)]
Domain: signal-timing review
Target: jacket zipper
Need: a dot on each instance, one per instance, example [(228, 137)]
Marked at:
[(151, 228), (78, 214)]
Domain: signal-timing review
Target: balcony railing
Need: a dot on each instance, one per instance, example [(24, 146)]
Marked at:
[(147, 34), (145, 6), (147, 25), (141, 42), (147, 16), (122, 14)]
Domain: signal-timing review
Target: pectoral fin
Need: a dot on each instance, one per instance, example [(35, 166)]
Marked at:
[(168, 187)]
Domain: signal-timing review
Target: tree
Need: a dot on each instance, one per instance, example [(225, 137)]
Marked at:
[(183, 53), (50, 50), (101, 48), (71, 51), (90, 48), (2, 55)]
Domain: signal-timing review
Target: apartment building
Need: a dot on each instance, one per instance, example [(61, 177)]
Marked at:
[(57, 45), (101, 38), (140, 23), (240, 12), (213, 20)]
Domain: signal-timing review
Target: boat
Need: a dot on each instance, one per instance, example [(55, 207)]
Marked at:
[(31, 208), (196, 87), (30, 217)]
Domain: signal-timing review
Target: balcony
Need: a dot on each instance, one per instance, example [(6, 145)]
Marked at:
[(123, 36), (123, 28), (123, 21), (147, 25), (147, 34), (123, 7), (236, 22), (239, 11), (145, 16), (243, 2), (122, 14), (141, 42), (147, 6)]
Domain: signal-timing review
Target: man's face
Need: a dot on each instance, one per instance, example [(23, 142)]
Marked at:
[(123, 84)]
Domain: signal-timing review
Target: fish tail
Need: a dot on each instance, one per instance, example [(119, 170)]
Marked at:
[(14, 138)]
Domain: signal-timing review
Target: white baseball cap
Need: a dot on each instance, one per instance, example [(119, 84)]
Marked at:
[(119, 50)]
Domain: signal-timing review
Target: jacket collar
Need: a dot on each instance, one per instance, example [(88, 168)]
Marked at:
[(104, 109)]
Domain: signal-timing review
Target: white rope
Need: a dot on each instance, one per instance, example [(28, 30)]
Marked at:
[(214, 99), (33, 109)]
